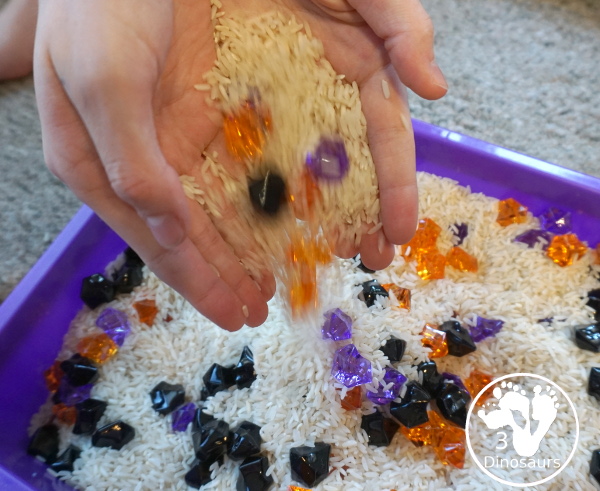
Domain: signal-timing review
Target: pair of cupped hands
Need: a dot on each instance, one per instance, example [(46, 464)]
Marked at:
[(121, 121)]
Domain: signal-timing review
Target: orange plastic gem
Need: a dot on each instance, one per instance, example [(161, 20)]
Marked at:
[(564, 249), (475, 382), (321, 251), (419, 435), (245, 131), (511, 211), (450, 446), (434, 339), (304, 255), (460, 259), (401, 294), (297, 488), (307, 197), (424, 240), (98, 348), (303, 276), (431, 266), (147, 311), (436, 422), (52, 376), (597, 254), (353, 399), (65, 414)]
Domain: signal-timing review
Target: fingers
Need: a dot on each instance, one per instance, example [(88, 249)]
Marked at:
[(392, 145), (227, 266), (376, 252), (407, 32), (17, 33)]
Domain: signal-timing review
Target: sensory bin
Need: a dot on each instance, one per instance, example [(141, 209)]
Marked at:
[(365, 388)]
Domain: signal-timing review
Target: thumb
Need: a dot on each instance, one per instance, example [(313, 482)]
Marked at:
[(118, 115)]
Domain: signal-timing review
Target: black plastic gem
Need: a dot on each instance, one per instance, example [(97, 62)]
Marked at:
[(132, 258), (167, 397), (44, 443), (244, 371), (253, 475), (594, 383), (362, 266), (412, 410), (198, 475), (244, 441), (80, 370), (96, 290), (89, 413), (432, 380), (453, 403), (65, 460), (268, 194), (127, 278), (114, 435), (587, 337), (380, 429), (458, 338), (200, 419), (394, 349), (370, 290), (594, 302), (218, 378), (595, 465), (204, 395), (210, 443), (310, 465)]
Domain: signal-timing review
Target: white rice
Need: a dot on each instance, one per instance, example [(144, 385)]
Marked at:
[(276, 57), (514, 284)]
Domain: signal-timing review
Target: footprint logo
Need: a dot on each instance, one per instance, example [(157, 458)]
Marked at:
[(513, 401)]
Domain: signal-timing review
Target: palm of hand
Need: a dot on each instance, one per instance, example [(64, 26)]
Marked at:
[(187, 125)]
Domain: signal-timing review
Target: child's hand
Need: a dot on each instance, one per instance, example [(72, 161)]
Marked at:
[(121, 120)]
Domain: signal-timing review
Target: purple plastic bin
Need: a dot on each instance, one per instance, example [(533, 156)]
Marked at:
[(34, 318)]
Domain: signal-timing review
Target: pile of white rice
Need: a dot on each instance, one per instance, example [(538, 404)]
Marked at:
[(294, 398), (276, 57)]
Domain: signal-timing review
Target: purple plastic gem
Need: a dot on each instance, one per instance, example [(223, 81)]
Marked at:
[(329, 161), (460, 231), (453, 378), (556, 221), (338, 325), (115, 324), (350, 367), (183, 416), (532, 237), (485, 328), (386, 395), (69, 395)]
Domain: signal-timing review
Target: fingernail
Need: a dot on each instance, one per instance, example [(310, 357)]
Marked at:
[(245, 311), (167, 230), (381, 242), (438, 76), (215, 270)]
